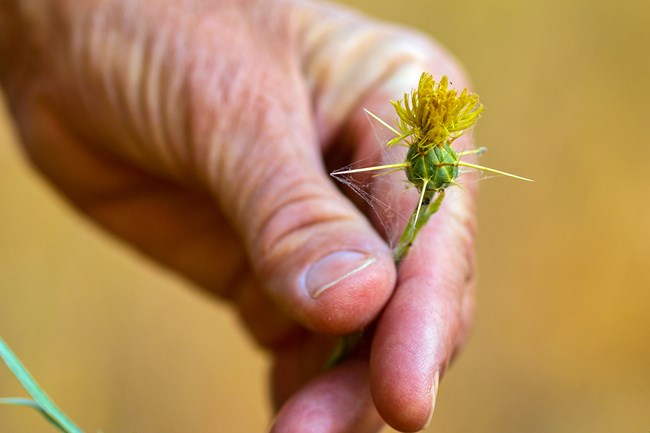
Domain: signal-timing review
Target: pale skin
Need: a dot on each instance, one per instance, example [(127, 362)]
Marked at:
[(202, 133)]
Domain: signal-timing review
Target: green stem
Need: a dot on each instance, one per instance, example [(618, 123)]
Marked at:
[(416, 222), (348, 344), (345, 347), (13, 401)]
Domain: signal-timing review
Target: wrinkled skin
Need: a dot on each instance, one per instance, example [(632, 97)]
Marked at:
[(201, 133)]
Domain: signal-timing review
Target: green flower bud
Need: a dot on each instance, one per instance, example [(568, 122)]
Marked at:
[(437, 167)]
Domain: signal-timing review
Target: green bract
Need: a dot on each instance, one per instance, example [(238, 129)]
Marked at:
[(434, 169)]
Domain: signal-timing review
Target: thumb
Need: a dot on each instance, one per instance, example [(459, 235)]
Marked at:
[(318, 257)]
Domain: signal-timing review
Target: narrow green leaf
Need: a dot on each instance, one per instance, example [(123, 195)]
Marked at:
[(15, 401), (41, 400), (18, 401)]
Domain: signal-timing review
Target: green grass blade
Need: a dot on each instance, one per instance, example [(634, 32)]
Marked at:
[(42, 401), (30, 403), (18, 401)]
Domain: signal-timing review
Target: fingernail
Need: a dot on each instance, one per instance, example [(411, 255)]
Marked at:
[(334, 268), (434, 393)]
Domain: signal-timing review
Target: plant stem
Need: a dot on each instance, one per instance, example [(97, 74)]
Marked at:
[(416, 222), (348, 344)]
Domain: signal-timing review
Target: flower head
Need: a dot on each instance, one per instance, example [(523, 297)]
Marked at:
[(429, 119), (435, 115)]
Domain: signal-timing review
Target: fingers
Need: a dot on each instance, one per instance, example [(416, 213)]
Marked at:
[(337, 402), (421, 327), (296, 364)]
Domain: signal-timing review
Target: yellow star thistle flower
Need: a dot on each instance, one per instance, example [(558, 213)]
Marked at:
[(429, 119), (435, 115)]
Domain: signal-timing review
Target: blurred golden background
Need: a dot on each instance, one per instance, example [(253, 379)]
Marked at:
[(562, 336)]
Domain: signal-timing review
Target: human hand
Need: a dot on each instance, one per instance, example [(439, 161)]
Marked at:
[(200, 131)]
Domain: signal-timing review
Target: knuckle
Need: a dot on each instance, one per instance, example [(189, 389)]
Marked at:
[(287, 220)]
